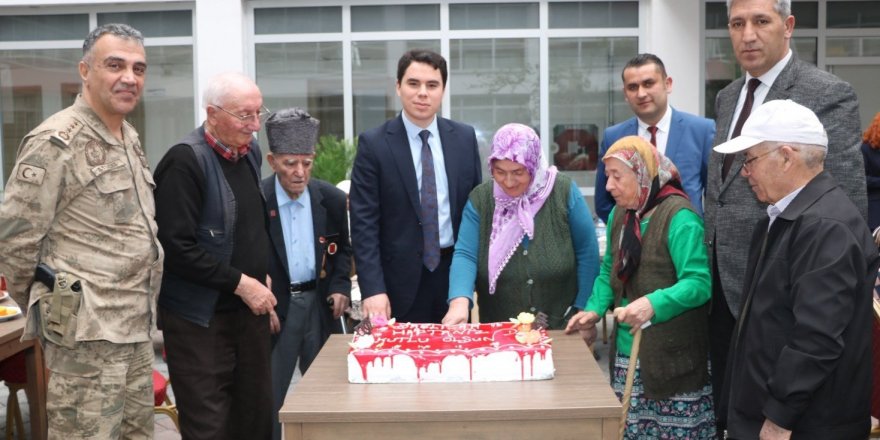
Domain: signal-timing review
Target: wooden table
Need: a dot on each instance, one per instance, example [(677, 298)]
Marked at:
[(577, 404), (10, 344)]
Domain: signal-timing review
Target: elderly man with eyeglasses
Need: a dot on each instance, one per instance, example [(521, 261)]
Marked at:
[(215, 309), (799, 364)]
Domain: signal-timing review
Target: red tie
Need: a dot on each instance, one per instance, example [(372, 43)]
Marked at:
[(737, 129), (653, 130)]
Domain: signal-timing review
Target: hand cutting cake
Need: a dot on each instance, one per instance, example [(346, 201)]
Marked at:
[(391, 352)]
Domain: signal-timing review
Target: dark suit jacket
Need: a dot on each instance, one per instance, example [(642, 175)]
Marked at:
[(688, 147), (803, 355), (731, 209), (330, 220), (385, 224)]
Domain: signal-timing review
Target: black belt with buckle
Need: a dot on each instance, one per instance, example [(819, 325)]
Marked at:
[(297, 288), (447, 251)]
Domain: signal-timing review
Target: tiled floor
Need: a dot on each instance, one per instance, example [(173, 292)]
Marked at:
[(164, 427)]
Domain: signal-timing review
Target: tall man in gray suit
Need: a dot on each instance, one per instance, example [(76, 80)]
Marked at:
[(760, 31)]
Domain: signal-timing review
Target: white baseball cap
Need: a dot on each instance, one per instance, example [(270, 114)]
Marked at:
[(778, 121)]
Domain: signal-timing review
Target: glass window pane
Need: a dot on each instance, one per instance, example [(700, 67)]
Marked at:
[(494, 81), (722, 67), (166, 112), (850, 14), (853, 47), (395, 18), (806, 14), (586, 96), (374, 79), (594, 14), (34, 84), (153, 24), (43, 27), (306, 75), (493, 16), (716, 15), (297, 20)]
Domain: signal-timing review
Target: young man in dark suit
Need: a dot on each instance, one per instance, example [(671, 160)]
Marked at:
[(311, 258), (760, 31), (410, 182)]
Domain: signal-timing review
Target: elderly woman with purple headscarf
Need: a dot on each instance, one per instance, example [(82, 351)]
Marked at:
[(655, 276), (526, 239)]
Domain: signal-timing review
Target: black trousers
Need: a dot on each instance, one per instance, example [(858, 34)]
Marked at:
[(220, 375), (721, 325), (430, 304)]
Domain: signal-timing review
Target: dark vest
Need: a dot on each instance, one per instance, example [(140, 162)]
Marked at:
[(214, 233), (541, 278), (673, 355)]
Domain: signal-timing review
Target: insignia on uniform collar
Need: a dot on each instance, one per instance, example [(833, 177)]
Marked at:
[(331, 248), (30, 174), (95, 154)]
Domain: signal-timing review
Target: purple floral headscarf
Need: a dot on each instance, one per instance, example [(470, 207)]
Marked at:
[(514, 217)]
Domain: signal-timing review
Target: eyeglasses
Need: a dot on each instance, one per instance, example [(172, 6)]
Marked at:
[(261, 115), (750, 161)]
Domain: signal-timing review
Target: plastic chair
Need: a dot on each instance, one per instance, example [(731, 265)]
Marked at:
[(161, 401), (14, 374)]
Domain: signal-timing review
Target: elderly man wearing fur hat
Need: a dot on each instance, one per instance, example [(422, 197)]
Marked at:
[(311, 256)]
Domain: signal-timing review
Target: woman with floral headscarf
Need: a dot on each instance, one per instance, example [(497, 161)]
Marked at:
[(526, 238), (656, 275)]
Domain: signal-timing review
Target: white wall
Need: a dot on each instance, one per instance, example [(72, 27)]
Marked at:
[(671, 29)]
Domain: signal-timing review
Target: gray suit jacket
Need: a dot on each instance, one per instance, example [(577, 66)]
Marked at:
[(731, 209)]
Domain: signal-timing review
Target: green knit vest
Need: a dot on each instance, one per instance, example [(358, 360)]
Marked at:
[(542, 278), (673, 355)]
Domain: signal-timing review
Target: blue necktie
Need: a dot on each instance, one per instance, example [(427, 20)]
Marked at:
[(430, 217)]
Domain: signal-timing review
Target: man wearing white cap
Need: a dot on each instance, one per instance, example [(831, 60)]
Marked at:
[(800, 357)]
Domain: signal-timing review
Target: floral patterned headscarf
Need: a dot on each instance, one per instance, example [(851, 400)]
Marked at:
[(514, 217), (657, 178)]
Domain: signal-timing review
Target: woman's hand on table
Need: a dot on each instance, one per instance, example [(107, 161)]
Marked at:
[(636, 313), (459, 310), (585, 324)]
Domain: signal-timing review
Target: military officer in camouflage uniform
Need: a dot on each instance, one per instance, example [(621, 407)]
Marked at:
[(80, 200)]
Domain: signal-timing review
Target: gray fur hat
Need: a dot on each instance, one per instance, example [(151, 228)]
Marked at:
[(292, 131)]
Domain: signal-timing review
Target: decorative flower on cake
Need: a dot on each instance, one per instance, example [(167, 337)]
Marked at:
[(528, 338), (524, 320)]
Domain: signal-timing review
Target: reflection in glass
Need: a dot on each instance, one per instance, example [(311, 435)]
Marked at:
[(153, 23), (594, 14), (307, 75), (493, 16), (585, 96), (166, 112), (395, 18), (374, 79), (853, 14), (35, 84), (495, 81), (297, 20), (43, 27)]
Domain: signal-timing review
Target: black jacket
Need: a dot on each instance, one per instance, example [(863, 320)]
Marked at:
[(330, 221), (801, 355)]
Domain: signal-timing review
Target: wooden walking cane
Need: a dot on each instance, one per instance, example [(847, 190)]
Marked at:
[(630, 376)]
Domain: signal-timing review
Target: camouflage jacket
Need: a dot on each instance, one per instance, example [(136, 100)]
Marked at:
[(81, 201)]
